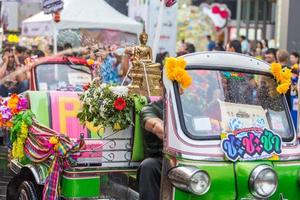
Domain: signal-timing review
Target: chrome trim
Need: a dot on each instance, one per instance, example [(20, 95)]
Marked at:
[(182, 176), (35, 172), (253, 176), (15, 167)]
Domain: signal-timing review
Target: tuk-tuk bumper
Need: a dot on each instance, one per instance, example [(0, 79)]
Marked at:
[(231, 180)]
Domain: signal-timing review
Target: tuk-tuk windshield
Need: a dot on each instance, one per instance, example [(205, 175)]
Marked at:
[(62, 77), (225, 101)]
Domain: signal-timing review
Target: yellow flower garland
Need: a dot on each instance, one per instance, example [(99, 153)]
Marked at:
[(18, 145), (283, 77), (175, 70)]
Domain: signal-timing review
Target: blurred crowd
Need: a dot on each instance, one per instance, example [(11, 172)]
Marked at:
[(111, 63)]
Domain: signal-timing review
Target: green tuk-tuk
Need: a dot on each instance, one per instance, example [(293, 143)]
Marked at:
[(229, 135)]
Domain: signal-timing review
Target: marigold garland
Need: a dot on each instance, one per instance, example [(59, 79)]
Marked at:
[(18, 145), (175, 70), (283, 77)]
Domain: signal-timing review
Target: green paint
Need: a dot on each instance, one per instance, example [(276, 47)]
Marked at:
[(39, 105), (287, 179), (80, 188), (222, 182), (138, 146)]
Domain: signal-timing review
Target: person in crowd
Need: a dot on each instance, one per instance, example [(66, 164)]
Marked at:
[(160, 58), (270, 55), (149, 171), (219, 47), (211, 44), (258, 50), (190, 48), (283, 57), (265, 45), (294, 58), (38, 53), (234, 46), (109, 70), (11, 84), (244, 45)]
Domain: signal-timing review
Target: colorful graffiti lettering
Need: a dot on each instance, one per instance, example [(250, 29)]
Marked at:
[(251, 144)]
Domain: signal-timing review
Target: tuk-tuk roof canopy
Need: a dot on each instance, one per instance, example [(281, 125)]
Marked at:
[(226, 60)]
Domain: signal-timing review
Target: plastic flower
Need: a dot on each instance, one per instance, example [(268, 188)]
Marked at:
[(22, 104), (120, 104), (53, 140), (283, 88)]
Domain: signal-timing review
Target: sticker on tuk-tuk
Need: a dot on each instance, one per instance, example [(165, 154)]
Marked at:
[(79, 78), (251, 144)]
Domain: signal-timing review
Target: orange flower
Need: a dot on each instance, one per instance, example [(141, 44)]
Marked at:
[(170, 62), (8, 124), (286, 74), (283, 88), (295, 66), (178, 74), (276, 69), (181, 63), (186, 81), (90, 62)]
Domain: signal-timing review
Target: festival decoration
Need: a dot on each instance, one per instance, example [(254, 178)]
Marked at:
[(106, 106), (175, 68), (219, 13), (234, 75), (13, 38), (11, 107), (251, 144), (283, 77), (169, 3)]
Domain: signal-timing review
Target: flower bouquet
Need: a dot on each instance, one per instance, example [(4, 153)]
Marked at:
[(107, 106), (9, 108)]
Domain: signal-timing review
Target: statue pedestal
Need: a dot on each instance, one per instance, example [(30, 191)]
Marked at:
[(139, 81)]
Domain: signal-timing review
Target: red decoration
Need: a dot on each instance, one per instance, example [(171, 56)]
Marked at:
[(215, 9), (120, 104), (56, 17), (86, 87), (169, 3)]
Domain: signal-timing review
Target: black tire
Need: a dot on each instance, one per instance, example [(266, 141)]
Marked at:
[(27, 191)]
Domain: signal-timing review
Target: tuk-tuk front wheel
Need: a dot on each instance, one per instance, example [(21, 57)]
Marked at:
[(27, 191)]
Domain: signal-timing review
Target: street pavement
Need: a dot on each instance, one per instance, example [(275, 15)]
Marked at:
[(4, 172)]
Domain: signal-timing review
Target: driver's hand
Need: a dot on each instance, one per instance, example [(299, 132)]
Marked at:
[(158, 129)]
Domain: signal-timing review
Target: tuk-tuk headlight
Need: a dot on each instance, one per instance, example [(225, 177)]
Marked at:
[(263, 181), (190, 179)]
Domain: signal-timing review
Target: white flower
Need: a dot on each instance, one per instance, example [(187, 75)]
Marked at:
[(119, 90)]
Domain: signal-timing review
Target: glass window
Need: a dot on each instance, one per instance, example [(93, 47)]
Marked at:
[(224, 101), (62, 77)]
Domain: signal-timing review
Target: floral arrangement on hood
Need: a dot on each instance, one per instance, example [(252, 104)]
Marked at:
[(175, 68), (10, 107), (107, 106), (283, 76)]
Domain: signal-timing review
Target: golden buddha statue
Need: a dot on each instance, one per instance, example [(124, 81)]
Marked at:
[(142, 60)]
